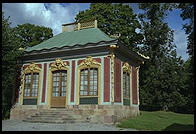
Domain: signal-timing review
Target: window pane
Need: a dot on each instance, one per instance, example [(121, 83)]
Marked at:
[(85, 93), (56, 80), (27, 84), (85, 79), (91, 88), (63, 91), (81, 87), (91, 93), (86, 87), (126, 85), (81, 92), (35, 84), (55, 91), (63, 83), (53, 94)]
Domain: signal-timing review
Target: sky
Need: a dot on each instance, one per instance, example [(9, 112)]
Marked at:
[(53, 15)]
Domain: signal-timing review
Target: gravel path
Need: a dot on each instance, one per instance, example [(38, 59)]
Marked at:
[(17, 125)]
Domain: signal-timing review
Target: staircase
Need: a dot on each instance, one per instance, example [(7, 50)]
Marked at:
[(55, 115)]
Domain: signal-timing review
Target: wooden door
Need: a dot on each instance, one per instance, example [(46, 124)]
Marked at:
[(59, 87)]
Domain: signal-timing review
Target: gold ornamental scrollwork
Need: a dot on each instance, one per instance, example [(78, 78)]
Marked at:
[(89, 61), (58, 65), (32, 68), (137, 68), (126, 67)]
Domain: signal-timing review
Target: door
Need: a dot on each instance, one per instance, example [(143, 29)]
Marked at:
[(59, 87)]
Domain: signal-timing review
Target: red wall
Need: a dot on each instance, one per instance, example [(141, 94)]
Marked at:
[(44, 82), (18, 82), (134, 84), (106, 79), (72, 81), (117, 80)]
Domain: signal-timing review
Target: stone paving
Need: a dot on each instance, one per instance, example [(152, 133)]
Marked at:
[(18, 125)]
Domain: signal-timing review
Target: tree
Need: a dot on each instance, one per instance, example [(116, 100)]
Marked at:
[(188, 14), (161, 77), (31, 35), (114, 19), (10, 56), (13, 39)]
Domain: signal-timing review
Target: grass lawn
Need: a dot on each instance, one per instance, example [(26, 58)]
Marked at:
[(160, 121)]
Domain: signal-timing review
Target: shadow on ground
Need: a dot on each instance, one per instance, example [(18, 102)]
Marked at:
[(179, 127)]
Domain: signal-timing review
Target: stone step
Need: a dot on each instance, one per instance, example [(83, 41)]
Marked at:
[(43, 121), (53, 121), (56, 116), (53, 118), (54, 113), (58, 109)]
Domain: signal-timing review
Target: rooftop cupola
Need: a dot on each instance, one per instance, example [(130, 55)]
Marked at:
[(78, 26)]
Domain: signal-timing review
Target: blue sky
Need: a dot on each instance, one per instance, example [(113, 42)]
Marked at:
[(55, 14)]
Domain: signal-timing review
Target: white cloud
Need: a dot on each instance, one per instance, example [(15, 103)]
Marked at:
[(48, 15), (181, 43)]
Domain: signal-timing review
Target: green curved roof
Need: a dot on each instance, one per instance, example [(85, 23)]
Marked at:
[(81, 37)]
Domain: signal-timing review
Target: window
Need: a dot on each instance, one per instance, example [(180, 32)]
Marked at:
[(31, 84), (88, 82), (59, 83), (126, 88)]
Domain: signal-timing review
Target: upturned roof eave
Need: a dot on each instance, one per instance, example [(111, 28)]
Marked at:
[(136, 55)]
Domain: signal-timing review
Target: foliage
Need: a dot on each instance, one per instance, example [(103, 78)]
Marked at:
[(114, 19), (31, 35), (21, 36), (188, 14), (160, 121), (10, 56), (162, 78)]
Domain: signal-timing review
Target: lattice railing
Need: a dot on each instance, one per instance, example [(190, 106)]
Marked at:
[(84, 25), (87, 24)]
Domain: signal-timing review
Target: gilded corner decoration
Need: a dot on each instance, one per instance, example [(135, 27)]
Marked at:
[(145, 57), (89, 61), (58, 65)]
